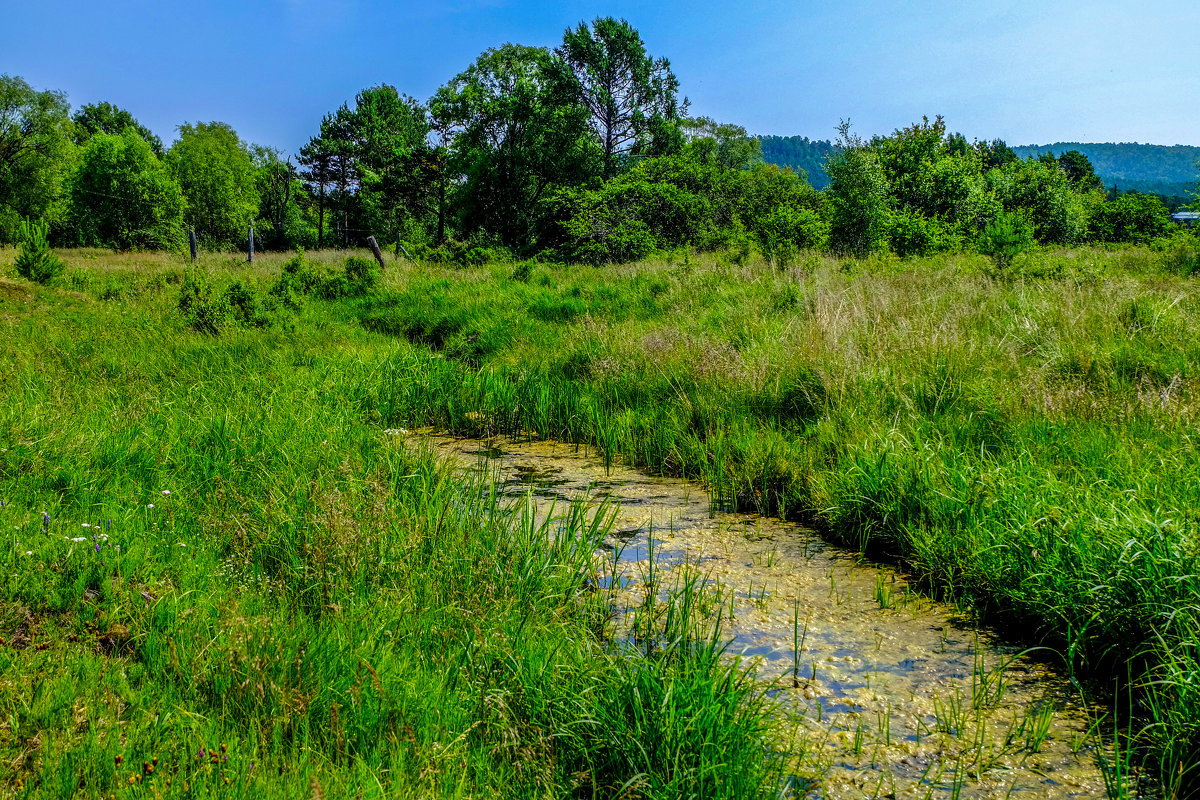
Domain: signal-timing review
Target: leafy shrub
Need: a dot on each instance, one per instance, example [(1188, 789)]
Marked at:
[(209, 311), (297, 280), (36, 261), (246, 306), (359, 276), (522, 271), (786, 230), (201, 306), (1132, 217), (912, 234), (1005, 237)]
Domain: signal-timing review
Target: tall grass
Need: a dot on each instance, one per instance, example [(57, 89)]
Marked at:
[(224, 578), (1028, 447)]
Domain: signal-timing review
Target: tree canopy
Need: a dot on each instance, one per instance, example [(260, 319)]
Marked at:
[(217, 175), (630, 96), (35, 151)]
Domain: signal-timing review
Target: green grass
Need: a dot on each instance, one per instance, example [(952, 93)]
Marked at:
[(1027, 447), (315, 609)]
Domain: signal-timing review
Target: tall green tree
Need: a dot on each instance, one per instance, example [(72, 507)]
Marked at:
[(859, 201), (35, 152), (216, 172), (1079, 171), (122, 196), (391, 155), (317, 173), (519, 132), (630, 96), (281, 221), (96, 118), (720, 144)]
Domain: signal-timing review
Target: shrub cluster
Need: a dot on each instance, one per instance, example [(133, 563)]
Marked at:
[(240, 304)]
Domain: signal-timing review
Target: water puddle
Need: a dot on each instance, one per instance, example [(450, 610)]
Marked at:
[(884, 692)]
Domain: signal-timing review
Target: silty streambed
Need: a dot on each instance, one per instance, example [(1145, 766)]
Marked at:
[(885, 693)]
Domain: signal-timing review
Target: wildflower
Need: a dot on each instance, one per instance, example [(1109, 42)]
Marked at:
[(87, 525), (150, 505), (166, 492), (28, 552), (97, 547)]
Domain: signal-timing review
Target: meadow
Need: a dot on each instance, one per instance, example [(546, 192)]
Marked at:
[(336, 614)]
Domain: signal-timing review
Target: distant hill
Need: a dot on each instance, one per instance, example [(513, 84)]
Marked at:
[(800, 153), (1164, 169)]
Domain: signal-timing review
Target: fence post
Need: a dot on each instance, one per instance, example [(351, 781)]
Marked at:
[(250, 246), (374, 245), (192, 244)]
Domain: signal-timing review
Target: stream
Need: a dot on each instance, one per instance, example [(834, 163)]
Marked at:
[(880, 691)]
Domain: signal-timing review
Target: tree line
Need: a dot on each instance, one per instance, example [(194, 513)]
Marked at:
[(583, 153)]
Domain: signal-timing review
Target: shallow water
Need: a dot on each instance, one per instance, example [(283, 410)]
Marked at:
[(883, 692)]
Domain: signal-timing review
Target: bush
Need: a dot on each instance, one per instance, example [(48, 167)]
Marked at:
[(297, 280), (1005, 237), (210, 312), (359, 276), (201, 307), (36, 261), (786, 230), (1132, 217), (912, 234)]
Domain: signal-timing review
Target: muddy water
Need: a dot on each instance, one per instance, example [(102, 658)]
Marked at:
[(881, 692)]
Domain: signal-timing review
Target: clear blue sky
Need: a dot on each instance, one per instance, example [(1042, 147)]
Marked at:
[(1028, 72)]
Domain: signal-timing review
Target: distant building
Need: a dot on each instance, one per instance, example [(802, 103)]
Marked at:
[(1188, 219)]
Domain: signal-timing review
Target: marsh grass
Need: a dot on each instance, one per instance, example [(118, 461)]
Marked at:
[(222, 577), (1025, 445)]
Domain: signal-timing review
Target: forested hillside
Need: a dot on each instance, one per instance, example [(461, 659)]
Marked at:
[(1163, 169), (801, 154)]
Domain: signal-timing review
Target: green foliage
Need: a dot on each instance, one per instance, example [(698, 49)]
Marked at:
[(36, 261), (1132, 217), (93, 118), (387, 139), (1006, 237), (202, 307), (630, 96), (786, 231), (519, 134), (722, 145), (1043, 192), (123, 197), (1129, 165), (858, 197), (281, 222), (912, 234), (215, 170), (804, 156), (35, 153), (1079, 171)]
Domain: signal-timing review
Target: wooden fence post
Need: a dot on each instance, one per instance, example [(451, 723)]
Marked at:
[(250, 246), (192, 244), (374, 245)]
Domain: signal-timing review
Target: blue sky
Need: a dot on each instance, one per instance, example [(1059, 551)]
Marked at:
[(1028, 72)]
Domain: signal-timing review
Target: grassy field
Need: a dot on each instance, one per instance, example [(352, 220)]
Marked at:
[(344, 619)]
